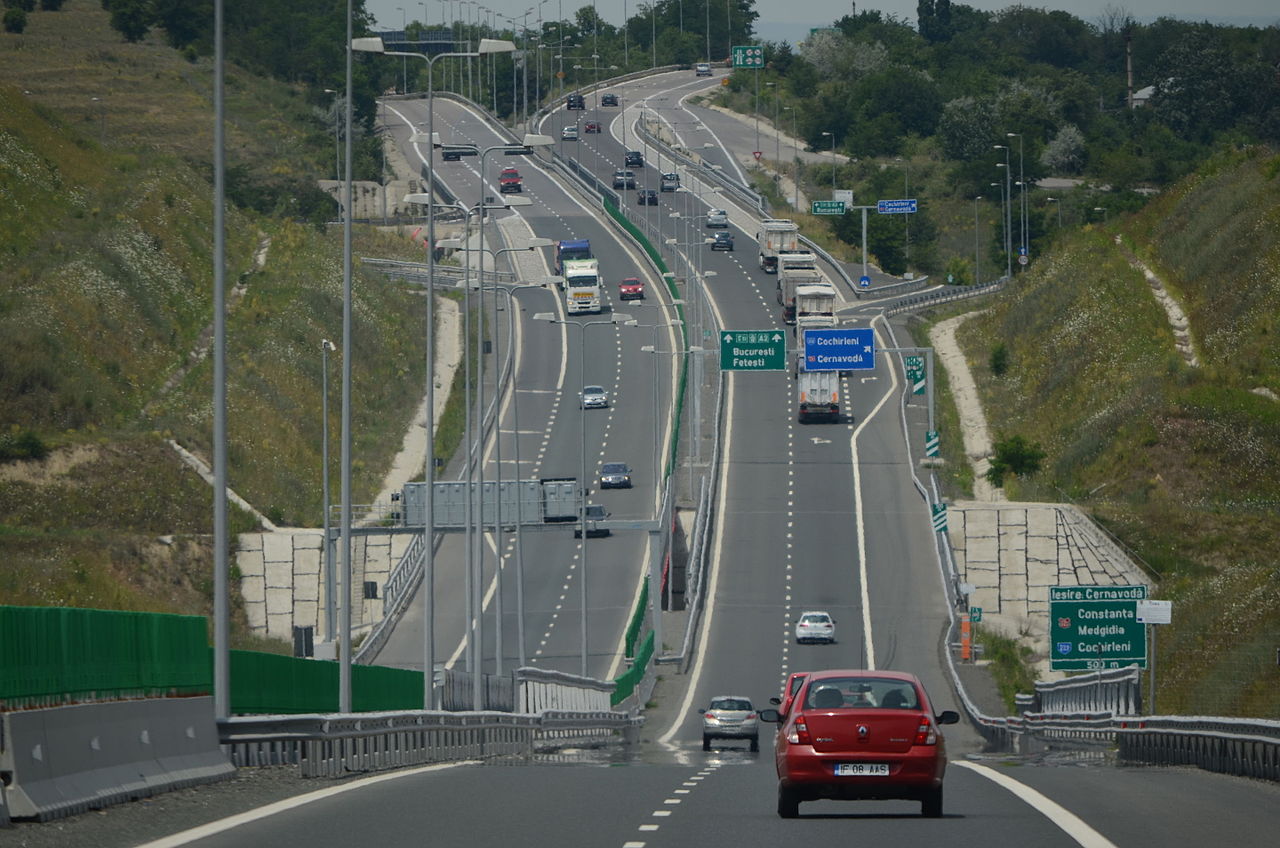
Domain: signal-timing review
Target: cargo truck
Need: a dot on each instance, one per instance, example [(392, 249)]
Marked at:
[(582, 285), (815, 308), (795, 270), (777, 235), (818, 395), (567, 249)]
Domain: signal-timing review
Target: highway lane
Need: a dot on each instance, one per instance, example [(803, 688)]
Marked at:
[(819, 515), (551, 440)]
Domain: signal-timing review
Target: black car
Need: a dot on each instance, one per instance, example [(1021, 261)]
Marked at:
[(575, 101), (722, 241), (624, 179), (608, 100), (634, 159), (615, 475), (646, 197)]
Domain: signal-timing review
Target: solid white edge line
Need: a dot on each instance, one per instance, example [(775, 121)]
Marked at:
[(223, 825), (857, 511), (1071, 824)]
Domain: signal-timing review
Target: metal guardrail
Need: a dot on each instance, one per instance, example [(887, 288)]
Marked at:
[(336, 745), (945, 294)]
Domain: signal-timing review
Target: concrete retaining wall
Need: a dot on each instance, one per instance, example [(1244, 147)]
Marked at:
[(283, 583)]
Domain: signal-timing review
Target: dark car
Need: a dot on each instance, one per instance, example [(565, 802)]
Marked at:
[(451, 155), (646, 197), (634, 159), (608, 100), (575, 101), (624, 179), (722, 241), (615, 475), (860, 734)]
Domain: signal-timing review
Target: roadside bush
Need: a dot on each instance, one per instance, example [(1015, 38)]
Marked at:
[(22, 444), (15, 20), (999, 359), (1014, 455)]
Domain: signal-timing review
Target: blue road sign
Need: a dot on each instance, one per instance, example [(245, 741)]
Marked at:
[(851, 349), (896, 207), (864, 281)]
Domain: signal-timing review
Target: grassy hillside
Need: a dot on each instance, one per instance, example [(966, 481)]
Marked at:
[(106, 293), (1180, 462)]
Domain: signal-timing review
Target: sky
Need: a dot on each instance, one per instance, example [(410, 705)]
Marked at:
[(787, 20)]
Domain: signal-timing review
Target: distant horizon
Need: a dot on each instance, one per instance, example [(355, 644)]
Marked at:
[(793, 31)]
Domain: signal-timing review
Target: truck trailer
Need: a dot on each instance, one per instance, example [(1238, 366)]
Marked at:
[(795, 270), (818, 394), (777, 235)]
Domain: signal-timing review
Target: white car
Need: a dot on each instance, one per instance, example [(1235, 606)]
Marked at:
[(815, 626), (717, 218), (702, 69), (569, 133)]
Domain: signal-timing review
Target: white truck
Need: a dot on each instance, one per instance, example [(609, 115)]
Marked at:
[(818, 394), (582, 285), (777, 235), (815, 307), (795, 270)]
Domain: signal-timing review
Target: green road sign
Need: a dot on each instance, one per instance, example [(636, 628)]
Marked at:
[(913, 363), (753, 350), (826, 207), (1096, 627), (917, 381), (939, 511), (975, 614), (748, 56), (931, 442)]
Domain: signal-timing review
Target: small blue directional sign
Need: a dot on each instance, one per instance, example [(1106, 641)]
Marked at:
[(864, 281), (848, 349), (896, 207)]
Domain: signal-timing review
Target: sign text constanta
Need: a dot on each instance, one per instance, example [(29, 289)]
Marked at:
[(1096, 627)]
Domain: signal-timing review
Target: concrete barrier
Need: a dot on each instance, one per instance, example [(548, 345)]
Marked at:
[(67, 760)]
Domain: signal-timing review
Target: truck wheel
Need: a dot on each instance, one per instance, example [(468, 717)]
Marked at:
[(706, 743)]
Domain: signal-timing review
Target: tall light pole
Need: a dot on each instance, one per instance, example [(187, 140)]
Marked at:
[(1059, 203), (1103, 210), (616, 318), (777, 131), (376, 45), (1000, 186), (102, 118), (1022, 194), (1008, 216), (330, 579), (795, 203), (833, 162), (337, 162), (706, 5), (404, 62), (977, 273)]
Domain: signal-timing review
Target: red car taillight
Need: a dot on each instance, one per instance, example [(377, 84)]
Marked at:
[(926, 734), (799, 734)]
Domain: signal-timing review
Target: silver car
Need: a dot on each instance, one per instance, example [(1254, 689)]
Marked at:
[(593, 397), (815, 626), (730, 717), (717, 218), (615, 475)]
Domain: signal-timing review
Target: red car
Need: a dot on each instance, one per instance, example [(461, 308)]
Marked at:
[(860, 734), (509, 182), (631, 289), (794, 681), (591, 127)]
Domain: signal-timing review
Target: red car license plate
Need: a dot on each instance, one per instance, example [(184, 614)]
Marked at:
[(862, 769)]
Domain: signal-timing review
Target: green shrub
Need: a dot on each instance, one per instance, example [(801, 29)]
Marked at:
[(22, 444), (15, 20), (999, 359), (1014, 454)]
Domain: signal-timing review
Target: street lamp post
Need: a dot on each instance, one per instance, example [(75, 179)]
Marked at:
[(1059, 203), (833, 162), (616, 318), (376, 45), (1000, 186), (337, 162), (977, 272), (102, 118), (1022, 194), (777, 132), (404, 61), (1103, 210), (330, 581), (1008, 216)]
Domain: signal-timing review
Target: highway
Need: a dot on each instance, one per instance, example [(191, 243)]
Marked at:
[(808, 517)]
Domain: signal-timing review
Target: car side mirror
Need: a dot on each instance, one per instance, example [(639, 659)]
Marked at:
[(770, 716), (948, 717), (702, 712), (775, 700)]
